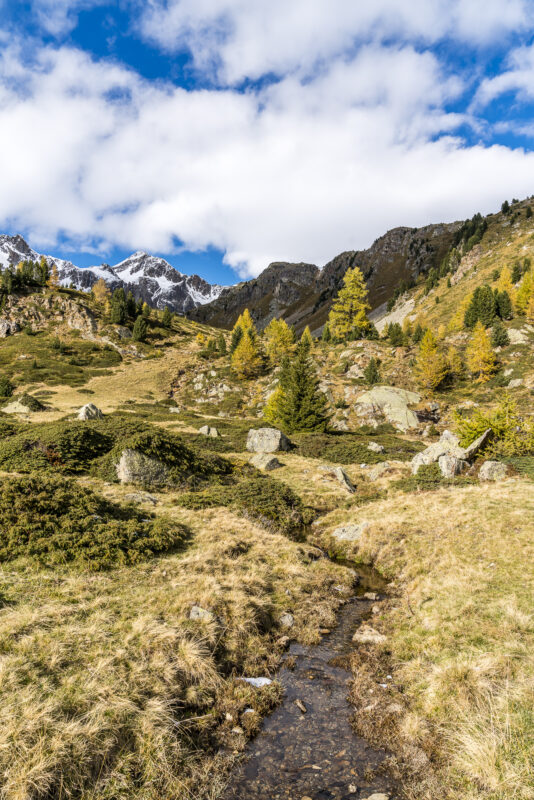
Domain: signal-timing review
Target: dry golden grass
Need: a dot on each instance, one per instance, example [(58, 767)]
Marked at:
[(108, 690), (461, 628)]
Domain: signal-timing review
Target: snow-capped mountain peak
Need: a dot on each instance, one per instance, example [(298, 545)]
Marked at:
[(148, 277)]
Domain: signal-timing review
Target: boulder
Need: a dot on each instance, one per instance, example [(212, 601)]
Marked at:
[(493, 471), (475, 447), (265, 462), (450, 466), (340, 475), (16, 407), (287, 620), (448, 445), (393, 403), (379, 470), (123, 332), (354, 372), (267, 440), (517, 337), (374, 447), (8, 328), (207, 430), (350, 533), (136, 467), (90, 411), (516, 383)]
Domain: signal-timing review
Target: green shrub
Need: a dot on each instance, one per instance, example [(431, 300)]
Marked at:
[(55, 521), (429, 478), (351, 448), (6, 387), (513, 434)]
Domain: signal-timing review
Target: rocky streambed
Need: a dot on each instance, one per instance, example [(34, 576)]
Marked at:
[(307, 749)]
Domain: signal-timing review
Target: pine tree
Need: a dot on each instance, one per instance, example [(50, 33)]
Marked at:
[(298, 404), (146, 311), (326, 337), (279, 340), (118, 307), (516, 272), (348, 316), (244, 323), (131, 306), (418, 333), (166, 319), (504, 305), (140, 329), (528, 212), (431, 367), (480, 355), (483, 307), (237, 335), (200, 339), (53, 278), (525, 292), (395, 334), (371, 373), (221, 345), (101, 295), (499, 335), (44, 272), (246, 358)]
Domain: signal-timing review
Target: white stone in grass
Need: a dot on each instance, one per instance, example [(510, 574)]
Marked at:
[(492, 471), (258, 683), (207, 430), (202, 614), (287, 620), (350, 533), (90, 411), (267, 440), (265, 462)]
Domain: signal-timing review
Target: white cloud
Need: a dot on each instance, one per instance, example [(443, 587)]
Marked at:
[(518, 78), (299, 170), (58, 17), (237, 39)]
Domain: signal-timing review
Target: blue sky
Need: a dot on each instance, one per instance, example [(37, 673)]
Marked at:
[(224, 134)]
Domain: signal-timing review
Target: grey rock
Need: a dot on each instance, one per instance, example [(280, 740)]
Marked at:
[(8, 328), (199, 613), (493, 471), (374, 447), (516, 383), (267, 440), (207, 430), (378, 470), (16, 407), (136, 467), (368, 635), (90, 411), (517, 337), (393, 403), (265, 462), (475, 447), (287, 620), (123, 332), (350, 533), (448, 445), (141, 497), (450, 466), (340, 475)]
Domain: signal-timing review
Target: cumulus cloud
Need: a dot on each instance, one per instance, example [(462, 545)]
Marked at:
[(517, 78), (298, 170), (58, 17), (238, 39)]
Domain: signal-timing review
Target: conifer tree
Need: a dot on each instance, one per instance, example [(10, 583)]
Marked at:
[(53, 278), (530, 310), (200, 339), (504, 305), (246, 358), (140, 329), (131, 306), (348, 316), (326, 337), (525, 292), (221, 345), (499, 335), (395, 334), (418, 333), (237, 335), (298, 404), (516, 272), (101, 294), (244, 323), (279, 340), (44, 272), (118, 307), (146, 311), (480, 355), (455, 362), (166, 319), (431, 367), (504, 283), (307, 338), (371, 373)]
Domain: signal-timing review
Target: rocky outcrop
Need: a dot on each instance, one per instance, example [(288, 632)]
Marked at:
[(8, 328), (452, 458), (339, 474), (350, 533), (136, 467), (265, 462), (267, 440), (493, 471), (90, 411), (390, 402), (208, 430)]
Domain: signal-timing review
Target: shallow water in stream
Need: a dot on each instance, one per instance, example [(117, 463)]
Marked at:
[(316, 755)]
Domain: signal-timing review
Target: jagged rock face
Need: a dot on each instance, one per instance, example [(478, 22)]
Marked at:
[(150, 279), (302, 293)]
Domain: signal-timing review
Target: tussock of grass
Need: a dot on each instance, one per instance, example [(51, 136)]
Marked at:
[(54, 521), (351, 448)]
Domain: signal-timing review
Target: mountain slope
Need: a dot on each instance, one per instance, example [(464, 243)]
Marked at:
[(302, 293), (150, 279)]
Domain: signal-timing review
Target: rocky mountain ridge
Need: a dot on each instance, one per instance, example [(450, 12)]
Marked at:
[(302, 293), (150, 279)]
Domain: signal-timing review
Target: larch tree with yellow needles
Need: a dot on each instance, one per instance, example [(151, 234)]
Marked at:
[(279, 340), (479, 354), (247, 358), (348, 317), (431, 366), (53, 278)]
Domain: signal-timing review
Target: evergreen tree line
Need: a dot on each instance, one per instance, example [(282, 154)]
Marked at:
[(26, 275)]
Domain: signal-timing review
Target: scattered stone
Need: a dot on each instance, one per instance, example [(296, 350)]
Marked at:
[(283, 642), (493, 471), (449, 445), (377, 796), (393, 403), (199, 613), (207, 430), (237, 730), (516, 336), (379, 470), (90, 411), (287, 620), (370, 596), (374, 447), (478, 444), (340, 475), (265, 462), (267, 440), (350, 533), (340, 425), (300, 705), (16, 407), (135, 467), (123, 332), (368, 635), (257, 682), (141, 497), (174, 409), (450, 466), (516, 383), (354, 372)]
